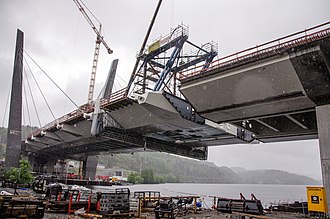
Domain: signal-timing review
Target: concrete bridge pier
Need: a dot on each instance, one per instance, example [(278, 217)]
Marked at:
[(42, 165), (33, 163), (89, 167), (50, 166), (323, 126)]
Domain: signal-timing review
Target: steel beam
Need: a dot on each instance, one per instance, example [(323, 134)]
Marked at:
[(137, 141), (296, 121), (267, 125), (53, 136), (72, 130)]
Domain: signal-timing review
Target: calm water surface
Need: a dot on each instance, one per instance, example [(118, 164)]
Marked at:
[(266, 193)]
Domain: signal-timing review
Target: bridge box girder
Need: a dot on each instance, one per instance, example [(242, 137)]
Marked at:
[(162, 116), (157, 121), (276, 95), (152, 112), (267, 87)]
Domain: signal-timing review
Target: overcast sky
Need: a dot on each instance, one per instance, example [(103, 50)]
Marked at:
[(60, 40)]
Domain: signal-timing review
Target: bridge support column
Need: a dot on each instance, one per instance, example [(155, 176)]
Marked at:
[(89, 167), (60, 169), (35, 166), (50, 166), (42, 165), (323, 126), (13, 151)]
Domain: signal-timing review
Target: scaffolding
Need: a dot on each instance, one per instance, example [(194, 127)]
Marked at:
[(161, 61)]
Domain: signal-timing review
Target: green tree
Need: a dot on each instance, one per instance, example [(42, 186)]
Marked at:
[(148, 176), (135, 178), (21, 174), (159, 179)]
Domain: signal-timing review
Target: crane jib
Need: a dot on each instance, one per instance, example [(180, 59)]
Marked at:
[(99, 40)]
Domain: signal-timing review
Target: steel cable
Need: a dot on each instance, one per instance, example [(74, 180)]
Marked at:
[(51, 79), (34, 104), (27, 103), (42, 94), (27, 106)]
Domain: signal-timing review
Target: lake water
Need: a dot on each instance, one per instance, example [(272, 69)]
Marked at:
[(268, 194)]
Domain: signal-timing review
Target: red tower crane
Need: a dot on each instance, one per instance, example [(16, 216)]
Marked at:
[(99, 39)]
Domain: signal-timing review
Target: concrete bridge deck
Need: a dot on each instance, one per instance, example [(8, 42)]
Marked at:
[(277, 91), (268, 92), (154, 121), (271, 90)]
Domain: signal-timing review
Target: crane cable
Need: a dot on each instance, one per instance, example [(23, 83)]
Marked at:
[(90, 12), (34, 104), (138, 58), (172, 14), (51, 79)]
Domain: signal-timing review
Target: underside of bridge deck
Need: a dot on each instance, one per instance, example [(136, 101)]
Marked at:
[(275, 98), (157, 122)]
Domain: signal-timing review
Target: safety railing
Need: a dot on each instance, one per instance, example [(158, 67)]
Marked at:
[(261, 51), (86, 108), (116, 96), (179, 31)]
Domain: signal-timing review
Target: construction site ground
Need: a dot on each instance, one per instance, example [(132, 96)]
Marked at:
[(203, 214), (200, 214)]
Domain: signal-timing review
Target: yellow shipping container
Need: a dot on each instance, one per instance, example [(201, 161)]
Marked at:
[(317, 200)]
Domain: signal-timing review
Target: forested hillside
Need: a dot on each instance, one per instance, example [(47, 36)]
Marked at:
[(170, 168), (26, 130), (275, 177), (178, 169)]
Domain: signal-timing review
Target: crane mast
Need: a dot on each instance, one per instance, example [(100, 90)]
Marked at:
[(99, 40)]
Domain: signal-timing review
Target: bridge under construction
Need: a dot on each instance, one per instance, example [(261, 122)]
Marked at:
[(184, 103)]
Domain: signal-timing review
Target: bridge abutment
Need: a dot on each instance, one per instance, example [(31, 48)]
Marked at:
[(323, 125), (89, 167)]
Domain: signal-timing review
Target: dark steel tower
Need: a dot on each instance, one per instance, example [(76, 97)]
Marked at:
[(13, 150)]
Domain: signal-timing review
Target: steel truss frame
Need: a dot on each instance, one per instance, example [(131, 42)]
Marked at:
[(162, 61)]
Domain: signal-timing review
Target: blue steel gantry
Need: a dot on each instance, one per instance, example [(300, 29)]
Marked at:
[(162, 60)]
